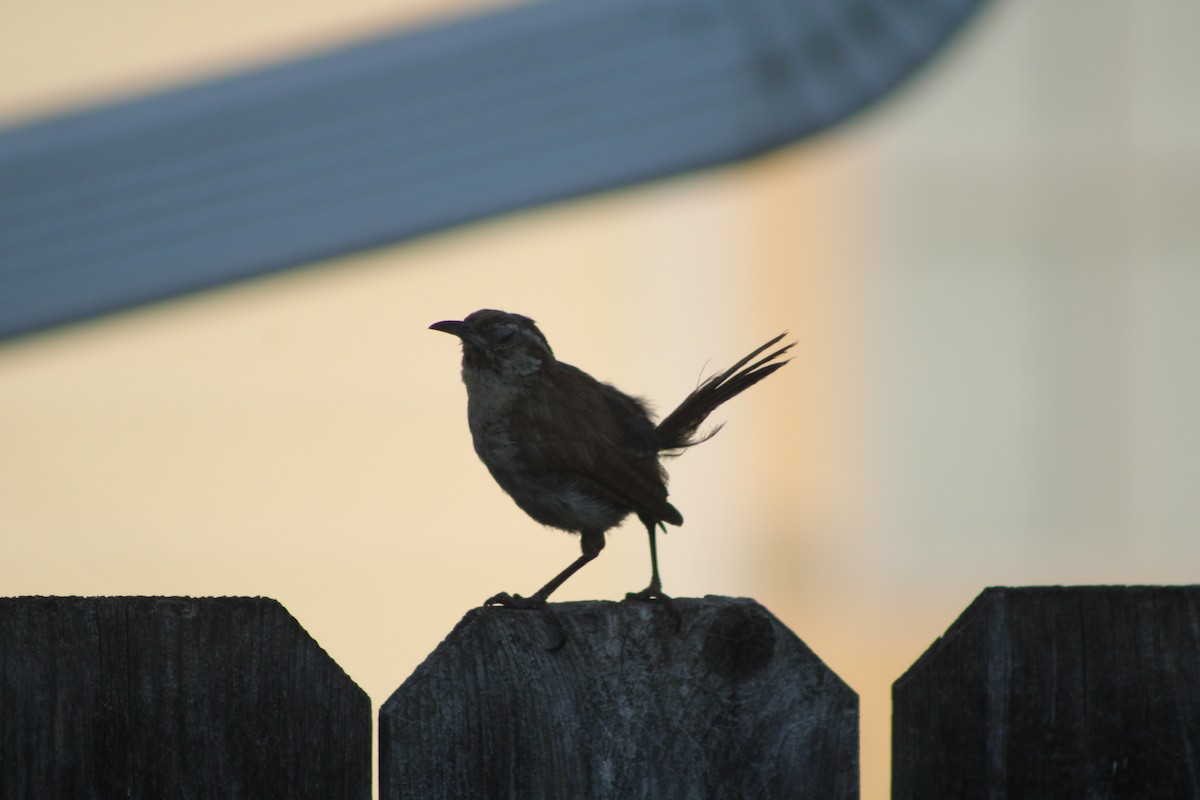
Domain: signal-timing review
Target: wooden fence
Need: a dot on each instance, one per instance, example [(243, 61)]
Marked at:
[(1084, 692)]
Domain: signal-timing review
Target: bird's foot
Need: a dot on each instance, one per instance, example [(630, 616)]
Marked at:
[(506, 600), (655, 594), (535, 603), (651, 594)]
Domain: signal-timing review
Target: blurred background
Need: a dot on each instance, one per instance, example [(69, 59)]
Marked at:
[(991, 276)]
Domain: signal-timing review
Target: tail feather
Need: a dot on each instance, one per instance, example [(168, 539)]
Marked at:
[(678, 429)]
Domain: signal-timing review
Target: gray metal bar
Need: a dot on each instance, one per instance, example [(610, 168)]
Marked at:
[(411, 133)]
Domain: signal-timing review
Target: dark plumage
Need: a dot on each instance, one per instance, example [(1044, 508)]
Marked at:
[(575, 453)]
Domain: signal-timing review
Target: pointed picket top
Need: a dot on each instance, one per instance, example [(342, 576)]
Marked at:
[(732, 704), (1084, 691), (174, 697)]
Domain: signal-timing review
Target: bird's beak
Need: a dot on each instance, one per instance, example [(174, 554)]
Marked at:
[(462, 330), (453, 326)]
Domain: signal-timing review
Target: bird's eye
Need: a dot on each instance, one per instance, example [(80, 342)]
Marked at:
[(505, 334)]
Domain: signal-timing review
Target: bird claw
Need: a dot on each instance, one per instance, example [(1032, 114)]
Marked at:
[(516, 601), (654, 594), (506, 600), (650, 594)]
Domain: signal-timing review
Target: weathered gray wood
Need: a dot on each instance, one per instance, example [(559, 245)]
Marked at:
[(170, 697), (1083, 692), (421, 130), (732, 705)]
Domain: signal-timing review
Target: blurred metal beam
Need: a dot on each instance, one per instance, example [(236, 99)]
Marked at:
[(143, 200)]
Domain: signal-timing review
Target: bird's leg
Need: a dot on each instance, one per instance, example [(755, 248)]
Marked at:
[(591, 543), (654, 591)]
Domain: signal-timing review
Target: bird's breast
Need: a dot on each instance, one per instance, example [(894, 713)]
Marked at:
[(490, 405)]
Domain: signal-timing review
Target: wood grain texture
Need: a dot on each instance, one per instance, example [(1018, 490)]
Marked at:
[(173, 697), (1055, 692), (732, 705)]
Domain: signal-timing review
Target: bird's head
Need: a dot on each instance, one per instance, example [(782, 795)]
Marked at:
[(508, 344)]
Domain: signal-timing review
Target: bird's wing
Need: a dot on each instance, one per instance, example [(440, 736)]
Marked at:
[(599, 437)]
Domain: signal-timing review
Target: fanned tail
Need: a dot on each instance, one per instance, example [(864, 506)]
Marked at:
[(678, 429)]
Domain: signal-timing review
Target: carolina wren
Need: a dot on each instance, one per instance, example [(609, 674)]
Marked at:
[(575, 453)]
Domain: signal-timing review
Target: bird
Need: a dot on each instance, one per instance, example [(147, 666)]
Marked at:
[(575, 453)]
